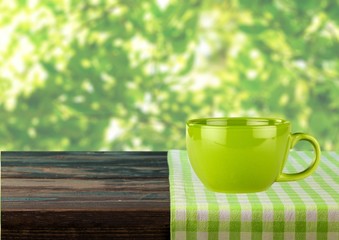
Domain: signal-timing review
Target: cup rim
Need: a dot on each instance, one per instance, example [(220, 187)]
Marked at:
[(251, 122)]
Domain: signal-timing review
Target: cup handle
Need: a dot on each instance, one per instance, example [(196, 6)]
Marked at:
[(296, 137)]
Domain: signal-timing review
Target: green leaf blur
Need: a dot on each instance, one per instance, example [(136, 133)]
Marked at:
[(126, 75)]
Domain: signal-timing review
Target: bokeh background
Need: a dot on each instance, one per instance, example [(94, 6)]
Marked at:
[(126, 75)]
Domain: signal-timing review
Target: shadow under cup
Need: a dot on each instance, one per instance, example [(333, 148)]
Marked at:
[(239, 155)]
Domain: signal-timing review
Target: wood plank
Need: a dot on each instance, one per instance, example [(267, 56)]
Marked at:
[(85, 195), (84, 165)]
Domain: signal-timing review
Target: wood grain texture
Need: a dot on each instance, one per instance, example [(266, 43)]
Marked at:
[(85, 195)]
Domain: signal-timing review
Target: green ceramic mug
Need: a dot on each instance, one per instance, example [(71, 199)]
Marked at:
[(241, 155)]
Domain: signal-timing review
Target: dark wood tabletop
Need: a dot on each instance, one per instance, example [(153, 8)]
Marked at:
[(85, 195)]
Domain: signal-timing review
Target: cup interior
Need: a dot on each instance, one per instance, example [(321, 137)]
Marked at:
[(237, 122)]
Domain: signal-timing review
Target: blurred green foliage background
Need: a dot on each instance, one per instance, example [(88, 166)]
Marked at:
[(126, 75)]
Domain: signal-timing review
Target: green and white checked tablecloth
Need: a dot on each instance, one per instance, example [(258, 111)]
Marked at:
[(305, 209)]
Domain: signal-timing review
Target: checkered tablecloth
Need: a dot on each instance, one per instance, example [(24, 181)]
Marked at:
[(305, 209)]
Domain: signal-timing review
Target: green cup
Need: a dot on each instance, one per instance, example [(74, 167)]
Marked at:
[(242, 155)]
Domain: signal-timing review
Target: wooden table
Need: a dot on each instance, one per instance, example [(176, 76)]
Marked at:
[(85, 195)]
